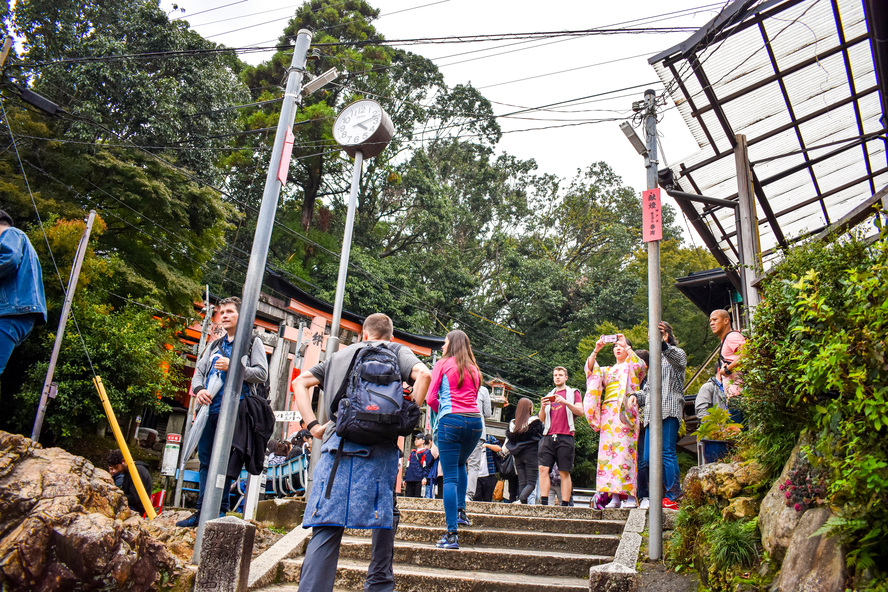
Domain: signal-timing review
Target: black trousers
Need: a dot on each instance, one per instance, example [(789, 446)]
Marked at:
[(526, 463), (484, 488), (322, 557), (413, 488)]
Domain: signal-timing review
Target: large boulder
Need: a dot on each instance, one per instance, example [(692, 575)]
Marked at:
[(65, 526), (724, 480), (813, 563), (777, 521)]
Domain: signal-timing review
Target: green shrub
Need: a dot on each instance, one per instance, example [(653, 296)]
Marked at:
[(733, 544), (816, 360)]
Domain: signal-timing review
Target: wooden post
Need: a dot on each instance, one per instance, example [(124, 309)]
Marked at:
[(750, 246)]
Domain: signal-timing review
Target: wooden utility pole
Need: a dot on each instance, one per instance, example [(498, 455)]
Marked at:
[(747, 233)]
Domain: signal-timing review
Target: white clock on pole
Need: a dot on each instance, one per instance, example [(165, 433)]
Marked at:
[(363, 127)]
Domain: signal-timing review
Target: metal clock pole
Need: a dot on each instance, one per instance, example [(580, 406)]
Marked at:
[(363, 129)]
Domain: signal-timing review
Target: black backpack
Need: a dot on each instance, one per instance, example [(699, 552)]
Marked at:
[(372, 408)]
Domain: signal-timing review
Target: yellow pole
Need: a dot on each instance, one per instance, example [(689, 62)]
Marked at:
[(130, 465)]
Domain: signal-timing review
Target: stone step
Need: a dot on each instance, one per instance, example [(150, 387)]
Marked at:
[(469, 558), (413, 578), (498, 538), (500, 509), (525, 523)]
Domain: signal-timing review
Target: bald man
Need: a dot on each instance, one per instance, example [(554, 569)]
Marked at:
[(729, 355)]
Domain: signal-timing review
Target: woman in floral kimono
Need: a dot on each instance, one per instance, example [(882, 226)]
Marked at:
[(612, 409)]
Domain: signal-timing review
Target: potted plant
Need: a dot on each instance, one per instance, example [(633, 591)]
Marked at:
[(715, 436)]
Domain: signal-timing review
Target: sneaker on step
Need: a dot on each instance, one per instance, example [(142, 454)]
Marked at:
[(189, 522), (462, 519), (668, 504), (449, 541), (645, 503)]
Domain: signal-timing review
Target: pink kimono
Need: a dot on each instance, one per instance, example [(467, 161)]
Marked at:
[(606, 389)]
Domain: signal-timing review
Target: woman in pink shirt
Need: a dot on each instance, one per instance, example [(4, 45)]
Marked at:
[(452, 396)]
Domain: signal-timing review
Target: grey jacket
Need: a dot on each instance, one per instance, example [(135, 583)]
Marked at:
[(710, 395), (484, 406), (255, 373)]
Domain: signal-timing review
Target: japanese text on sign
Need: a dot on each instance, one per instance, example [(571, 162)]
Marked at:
[(651, 215), (287, 416)]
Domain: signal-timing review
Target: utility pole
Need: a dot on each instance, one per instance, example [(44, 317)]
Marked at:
[(240, 354), (204, 330), (48, 387), (747, 230), (655, 375)]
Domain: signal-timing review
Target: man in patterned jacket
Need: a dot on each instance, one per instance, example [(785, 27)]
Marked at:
[(673, 361)]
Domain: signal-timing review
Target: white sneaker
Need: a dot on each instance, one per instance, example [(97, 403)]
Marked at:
[(614, 503), (630, 503), (645, 503)]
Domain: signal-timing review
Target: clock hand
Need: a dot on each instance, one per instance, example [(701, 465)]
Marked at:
[(361, 125)]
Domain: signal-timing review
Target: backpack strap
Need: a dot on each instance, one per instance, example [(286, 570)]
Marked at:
[(335, 466)]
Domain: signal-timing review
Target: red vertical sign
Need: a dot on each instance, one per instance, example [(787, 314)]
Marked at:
[(285, 157), (651, 215)]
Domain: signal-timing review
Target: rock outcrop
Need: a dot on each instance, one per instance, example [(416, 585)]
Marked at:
[(777, 521), (65, 526), (813, 563), (725, 480)]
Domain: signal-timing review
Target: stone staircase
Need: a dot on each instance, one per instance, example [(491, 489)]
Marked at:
[(508, 548)]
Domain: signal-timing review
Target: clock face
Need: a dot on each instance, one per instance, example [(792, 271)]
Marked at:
[(357, 122)]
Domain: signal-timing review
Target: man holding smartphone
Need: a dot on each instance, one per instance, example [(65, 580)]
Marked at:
[(557, 411)]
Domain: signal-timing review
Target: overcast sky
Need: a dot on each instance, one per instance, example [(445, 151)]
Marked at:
[(523, 74)]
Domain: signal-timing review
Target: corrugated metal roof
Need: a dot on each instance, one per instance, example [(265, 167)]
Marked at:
[(797, 77)]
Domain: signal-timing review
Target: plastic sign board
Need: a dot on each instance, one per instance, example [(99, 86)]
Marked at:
[(287, 416), (170, 455), (651, 215), (285, 157)]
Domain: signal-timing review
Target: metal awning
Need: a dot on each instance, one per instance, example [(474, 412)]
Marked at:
[(805, 84)]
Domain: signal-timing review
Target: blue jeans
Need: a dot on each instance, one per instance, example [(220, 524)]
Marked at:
[(457, 436), (204, 452), (671, 473), (13, 331)]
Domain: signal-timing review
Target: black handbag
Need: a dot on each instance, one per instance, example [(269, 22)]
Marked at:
[(505, 466)]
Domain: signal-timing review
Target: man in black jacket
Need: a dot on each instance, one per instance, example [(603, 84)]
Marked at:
[(122, 479)]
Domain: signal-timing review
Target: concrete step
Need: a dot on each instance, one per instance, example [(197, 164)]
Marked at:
[(474, 536), (413, 578), (500, 509), (469, 558), (435, 517)]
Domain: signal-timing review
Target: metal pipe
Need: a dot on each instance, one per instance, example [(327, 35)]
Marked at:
[(333, 339), (63, 321), (250, 298)]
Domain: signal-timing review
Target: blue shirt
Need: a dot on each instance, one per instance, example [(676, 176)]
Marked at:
[(225, 348)]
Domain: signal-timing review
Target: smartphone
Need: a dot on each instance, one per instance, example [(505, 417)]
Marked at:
[(609, 338)]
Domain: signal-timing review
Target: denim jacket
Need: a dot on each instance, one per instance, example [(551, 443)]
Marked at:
[(21, 279)]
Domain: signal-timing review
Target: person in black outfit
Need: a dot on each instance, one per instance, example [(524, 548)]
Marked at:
[(417, 467), (122, 479), (523, 438)]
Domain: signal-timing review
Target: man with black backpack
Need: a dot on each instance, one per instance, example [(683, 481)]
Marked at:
[(354, 479)]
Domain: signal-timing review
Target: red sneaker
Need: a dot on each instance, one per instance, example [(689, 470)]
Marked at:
[(668, 504)]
